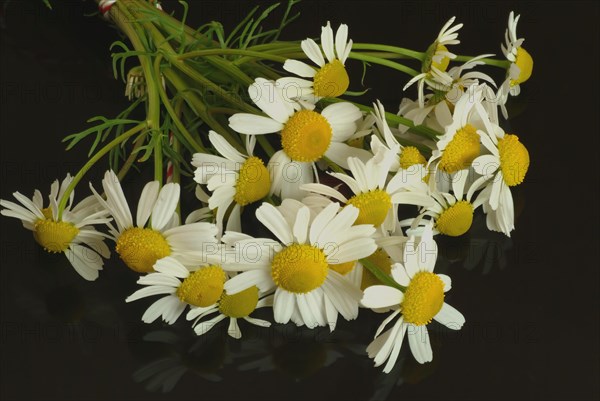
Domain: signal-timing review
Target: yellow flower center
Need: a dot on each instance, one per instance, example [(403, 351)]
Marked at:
[(373, 206), (306, 136), (203, 287), (253, 182), (443, 64), (411, 156), (239, 305), (47, 212), (54, 236), (461, 150), (299, 268), (382, 260), (514, 159), (343, 268), (525, 63), (456, 220), (331, 80), (423, 298), (140, 248)]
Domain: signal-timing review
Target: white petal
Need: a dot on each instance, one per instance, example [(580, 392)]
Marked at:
[(269, 99), (85, 261), (447, 282), (225, 148), (299, 68), (341, 41), (150, 291), (272, 218), (381, 296), (450, 317), (146, 203), (252, 124), (158, 308), (400, 275), (283, 306), (418, 339), (321, 221), (165, 206), (204, 327), (395, 350), (327, 42), (301, 225), (258, 277), (234, 329), (312, 50)]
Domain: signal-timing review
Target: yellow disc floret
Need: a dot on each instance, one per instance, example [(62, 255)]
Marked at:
[(456, 220), (411, 156), (525, 63), (444, 62), (382, 260), (203, 287), (373, 206), (54, 236), (331, 80), (239, 305), (306, 136), (253, 182), (514, 159), (461, 150), (423, 298), (343, 268), (299, 268), (140, 248)]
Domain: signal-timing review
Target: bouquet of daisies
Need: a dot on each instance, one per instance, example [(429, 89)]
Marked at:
[(298, 186)]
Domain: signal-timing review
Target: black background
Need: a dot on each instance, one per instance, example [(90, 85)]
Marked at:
[(531, 302)]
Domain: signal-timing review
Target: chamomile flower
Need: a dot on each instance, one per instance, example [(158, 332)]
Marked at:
[(157, 233), (200, 287), (296, 266), (461, 142), (306, 135), (72, 234), (521, 61), (436, 61), (402, 156), (331, 78), (232, 307), (505, 167), (451, 214), (234, 178), (420, 302), (375, 197)]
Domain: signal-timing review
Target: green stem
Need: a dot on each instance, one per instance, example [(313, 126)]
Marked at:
[(384, 62), (240, 52), (389, 49), (380, 275), (92, 161), (504, 64)]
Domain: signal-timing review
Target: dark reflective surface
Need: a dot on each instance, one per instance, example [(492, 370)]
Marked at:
[(531, 301)]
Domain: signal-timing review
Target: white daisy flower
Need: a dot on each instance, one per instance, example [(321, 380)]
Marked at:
[(72, 234), (462, 81), (375, 197), (505, 167), (234, 178), (200, 287), (437, 58), (296, 266), (421, 301), (232, 307), (521, 61), (402, 157), (331, 78), (157, 233), (461, 142), (306, 135), (451, 214)]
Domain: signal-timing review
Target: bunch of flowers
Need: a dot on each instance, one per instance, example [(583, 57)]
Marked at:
[(298, 188)]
